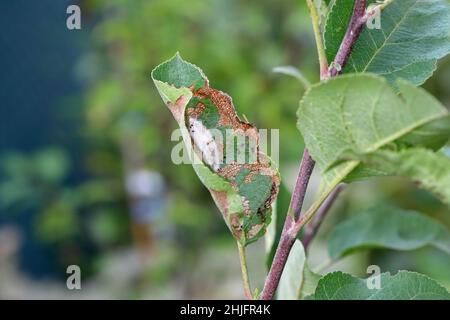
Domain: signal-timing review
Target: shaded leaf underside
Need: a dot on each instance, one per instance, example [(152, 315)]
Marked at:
[(224, 150)]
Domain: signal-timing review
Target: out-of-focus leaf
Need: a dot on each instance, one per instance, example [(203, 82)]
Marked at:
[(387, 227), (241, 179), (297, 280), (405, 285)]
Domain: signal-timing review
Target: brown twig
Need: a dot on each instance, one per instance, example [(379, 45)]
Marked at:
[(293, 222)]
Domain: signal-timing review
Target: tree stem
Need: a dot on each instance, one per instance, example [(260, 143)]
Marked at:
[(298, 195), (244, 270), (319, 40)]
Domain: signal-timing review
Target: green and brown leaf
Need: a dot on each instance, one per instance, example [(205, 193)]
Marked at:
[(404, 285)]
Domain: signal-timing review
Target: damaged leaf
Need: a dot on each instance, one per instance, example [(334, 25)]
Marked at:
[(223, 149), (362, 113)]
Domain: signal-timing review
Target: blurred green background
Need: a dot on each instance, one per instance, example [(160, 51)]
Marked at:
[(85, 147)]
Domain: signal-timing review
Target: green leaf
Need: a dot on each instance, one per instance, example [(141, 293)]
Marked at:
[(387, 227), (414, 35), (405, 285), (223, 150), (297, 280), (430, 170), (179, 73), (362, 113)]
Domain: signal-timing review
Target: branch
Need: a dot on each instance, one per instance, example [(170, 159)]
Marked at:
[(359, 19), (244, 269), (314, 225)]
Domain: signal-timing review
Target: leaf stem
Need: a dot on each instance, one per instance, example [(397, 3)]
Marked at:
[(319, 39), (244, 270)]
